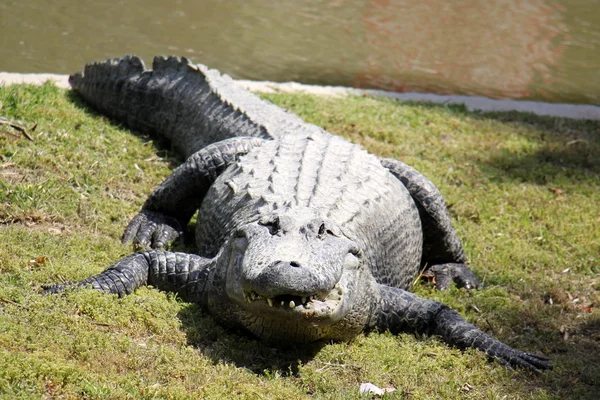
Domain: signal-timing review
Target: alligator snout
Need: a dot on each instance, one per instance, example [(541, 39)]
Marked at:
[(289, 278)]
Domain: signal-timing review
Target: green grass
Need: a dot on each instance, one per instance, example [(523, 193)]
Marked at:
[(524, 194)]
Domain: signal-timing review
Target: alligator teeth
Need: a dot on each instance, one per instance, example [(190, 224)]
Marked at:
[(340, 291), (282, 303), (270, 302), (303, 300), (333, 296), (292, 304)]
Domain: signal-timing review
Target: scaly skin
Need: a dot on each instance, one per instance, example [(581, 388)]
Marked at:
[(301, 235), (401, 311)]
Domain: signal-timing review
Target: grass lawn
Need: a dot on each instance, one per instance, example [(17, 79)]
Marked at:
[(523, 191)]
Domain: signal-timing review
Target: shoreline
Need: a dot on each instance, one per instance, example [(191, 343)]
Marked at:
[(473, 103)]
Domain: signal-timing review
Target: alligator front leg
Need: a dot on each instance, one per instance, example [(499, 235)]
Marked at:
[(443, 253), (183, 273), (400, 311), (169, 208)]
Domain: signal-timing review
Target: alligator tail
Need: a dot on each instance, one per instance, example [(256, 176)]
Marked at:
[(187, 104)]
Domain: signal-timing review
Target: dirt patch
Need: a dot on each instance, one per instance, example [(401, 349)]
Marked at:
[(36, 219), (11, 174)]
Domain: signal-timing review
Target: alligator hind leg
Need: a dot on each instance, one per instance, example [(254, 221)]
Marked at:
[(398, 311), (443, 253), (444, 274)]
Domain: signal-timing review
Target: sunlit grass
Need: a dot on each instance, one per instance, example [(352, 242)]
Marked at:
[(524, 193)]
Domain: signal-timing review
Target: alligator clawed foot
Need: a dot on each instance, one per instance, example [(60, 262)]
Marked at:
[(443, 274), (150, 229)]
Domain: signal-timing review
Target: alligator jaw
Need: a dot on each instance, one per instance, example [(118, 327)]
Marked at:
[(314, 307)]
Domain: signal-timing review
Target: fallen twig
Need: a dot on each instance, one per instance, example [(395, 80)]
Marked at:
[(19, 128), (9, 301)]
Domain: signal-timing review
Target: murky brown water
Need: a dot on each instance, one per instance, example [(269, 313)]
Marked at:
[(539, 49)]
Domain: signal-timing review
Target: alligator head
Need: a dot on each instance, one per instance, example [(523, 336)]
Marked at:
[(294, 267)]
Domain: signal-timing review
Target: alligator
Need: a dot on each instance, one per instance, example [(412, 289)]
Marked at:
[(301, 235)]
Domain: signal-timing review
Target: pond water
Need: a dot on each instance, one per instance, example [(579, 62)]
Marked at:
[(524, 49)]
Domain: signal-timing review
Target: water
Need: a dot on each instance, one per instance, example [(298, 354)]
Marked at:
[(527, 49)]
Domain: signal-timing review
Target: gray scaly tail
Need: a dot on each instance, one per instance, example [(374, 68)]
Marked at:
[(190, 105)]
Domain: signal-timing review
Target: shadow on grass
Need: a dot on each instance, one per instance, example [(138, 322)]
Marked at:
[(562, 147), (161, 145), (239, 348), (578, 360), (567, 333)]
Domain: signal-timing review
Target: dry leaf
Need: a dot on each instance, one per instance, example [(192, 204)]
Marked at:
[(556, 190), (466, 388), (565, 332), (38, 261)]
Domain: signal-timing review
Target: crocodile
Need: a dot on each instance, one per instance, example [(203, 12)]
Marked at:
[(301, 235)]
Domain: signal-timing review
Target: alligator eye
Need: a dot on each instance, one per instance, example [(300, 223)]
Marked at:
[(322, 231), (273, 226)]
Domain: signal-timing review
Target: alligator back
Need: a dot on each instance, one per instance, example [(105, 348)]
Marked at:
[(187, 104), (303, 166), (333, 178)]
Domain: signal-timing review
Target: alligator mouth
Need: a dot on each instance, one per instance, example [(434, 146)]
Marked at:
[(313, 306)]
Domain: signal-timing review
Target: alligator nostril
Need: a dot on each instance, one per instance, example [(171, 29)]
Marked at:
[(295, 264)]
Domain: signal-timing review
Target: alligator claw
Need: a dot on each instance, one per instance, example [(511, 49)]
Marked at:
[(444, 274), (516, 358), (150, 229)]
